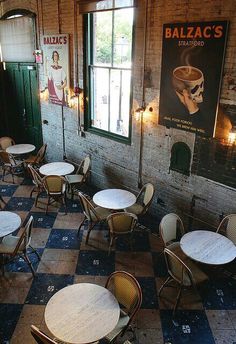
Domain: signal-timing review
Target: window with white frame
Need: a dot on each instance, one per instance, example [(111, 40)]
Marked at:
[(109, 62)]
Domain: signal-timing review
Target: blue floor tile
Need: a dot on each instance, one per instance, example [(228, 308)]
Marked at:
[(140, 242), (72, 206), (7, 190), (27, 181), (159, 264), (95, 263), (219, 294), (20, 204), (9, 315), (149, 291), (41, 220), (191, 327), (64, 238), (20, 265), (44, 286)]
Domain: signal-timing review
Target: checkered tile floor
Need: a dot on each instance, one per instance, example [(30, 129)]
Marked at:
[(207, 318)]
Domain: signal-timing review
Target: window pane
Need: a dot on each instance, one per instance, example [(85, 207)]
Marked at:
[(123, 22), (100, 103), (115, 90), (102, 34), (125, 101)]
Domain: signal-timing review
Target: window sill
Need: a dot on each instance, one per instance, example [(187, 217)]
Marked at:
[(111, 136)]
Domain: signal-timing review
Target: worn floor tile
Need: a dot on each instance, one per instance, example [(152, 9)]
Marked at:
[(224, 336)]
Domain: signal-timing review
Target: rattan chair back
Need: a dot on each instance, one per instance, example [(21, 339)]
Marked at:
[(228, 227), (127, 291), (40, 337), (145, 197), (171, 228), (41, 154), (54, 184), (88, 208), (121, 223), (6, 142), (37, 179)]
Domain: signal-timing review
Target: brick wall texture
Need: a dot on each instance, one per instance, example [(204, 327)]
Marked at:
[(116, 164)]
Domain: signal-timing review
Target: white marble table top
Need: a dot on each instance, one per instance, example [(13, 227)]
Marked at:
[(82, 313), (56, 168), (9, 222), (115, 199), (20, 149), (208, 247)]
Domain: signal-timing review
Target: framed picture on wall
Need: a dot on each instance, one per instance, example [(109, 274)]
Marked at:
[(191, 71), (56, 67)]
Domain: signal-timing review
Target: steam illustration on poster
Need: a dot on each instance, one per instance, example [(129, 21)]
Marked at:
[(192, 63)]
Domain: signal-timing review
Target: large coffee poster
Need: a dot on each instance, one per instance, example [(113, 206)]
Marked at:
[(56, 67), (192, 63)]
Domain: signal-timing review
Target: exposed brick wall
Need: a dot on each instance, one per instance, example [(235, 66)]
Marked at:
[(115, 163)]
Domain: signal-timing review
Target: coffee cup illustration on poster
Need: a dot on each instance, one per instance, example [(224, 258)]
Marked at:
[(56, 67), (192, 64)]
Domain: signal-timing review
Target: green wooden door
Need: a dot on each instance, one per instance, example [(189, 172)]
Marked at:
[(24, 120)]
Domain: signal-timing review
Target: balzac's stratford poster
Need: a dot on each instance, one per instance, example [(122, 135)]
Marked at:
[(56, 67), (192, 61)]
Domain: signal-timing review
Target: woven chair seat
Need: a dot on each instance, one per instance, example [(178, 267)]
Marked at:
[(135, 209), (122, 322), (74, 178)]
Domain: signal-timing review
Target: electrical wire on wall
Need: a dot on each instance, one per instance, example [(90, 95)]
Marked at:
[(142, 108)]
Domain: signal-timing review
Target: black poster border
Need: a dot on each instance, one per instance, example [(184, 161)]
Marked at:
[(193, 56)]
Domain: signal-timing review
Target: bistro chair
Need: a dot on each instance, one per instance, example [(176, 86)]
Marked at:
[(92, 214), (81, 175), (6, 142), (128, 293), (144, 200), (37, 160), (38, 183), (41, 337), (171, 230), (15, 246), (121, 224), (186, 275), (2, 200), (55, 187), (228, 227), (10, 164)]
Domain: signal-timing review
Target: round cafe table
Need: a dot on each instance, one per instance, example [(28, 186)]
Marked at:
[(114, 199), (208, 247), (20, 149), (9, 222), (56, 169), (82, 313)]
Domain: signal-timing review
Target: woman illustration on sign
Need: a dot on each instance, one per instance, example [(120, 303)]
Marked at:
[(56, 81)]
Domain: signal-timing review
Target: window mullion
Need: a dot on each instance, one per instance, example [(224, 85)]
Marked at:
[(120, 96), (109, 101), (112, 39)]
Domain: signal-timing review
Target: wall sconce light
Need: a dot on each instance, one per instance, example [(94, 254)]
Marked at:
[(44, 94), (139, 112), (73, 102), (232, 136)]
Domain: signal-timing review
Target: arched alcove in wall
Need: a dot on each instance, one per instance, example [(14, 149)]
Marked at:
[(180, 158)]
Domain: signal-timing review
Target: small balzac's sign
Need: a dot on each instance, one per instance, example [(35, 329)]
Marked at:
[(192, 63)]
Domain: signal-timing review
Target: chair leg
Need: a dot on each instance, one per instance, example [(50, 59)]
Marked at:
[(111, 243), (164, 284), (46, 212), (177, 300), (84, 219), (26, 258), (36, 199), (64, 203), (35, 251), (89, 230), (2, 264), (4, 172)]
